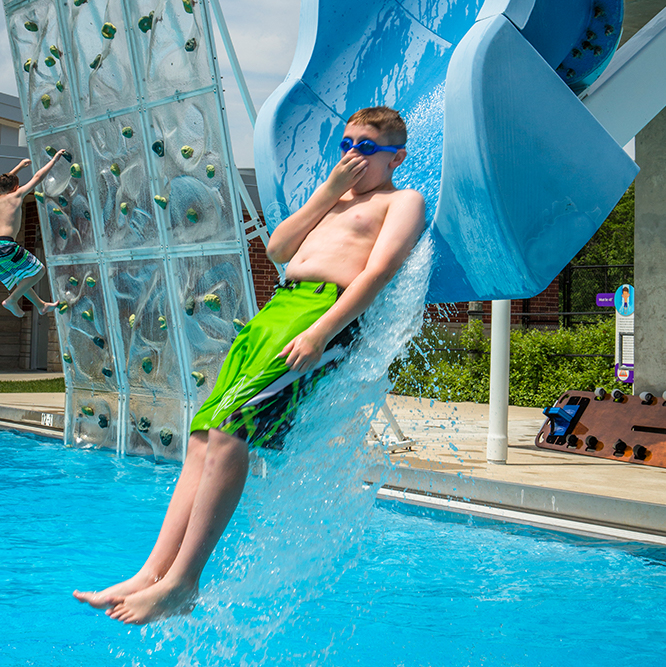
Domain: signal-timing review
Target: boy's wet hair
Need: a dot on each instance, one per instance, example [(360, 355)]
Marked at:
[(388, 121), (8, 183)]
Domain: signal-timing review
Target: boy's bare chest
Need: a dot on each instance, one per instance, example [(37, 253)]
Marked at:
[(362, 220)]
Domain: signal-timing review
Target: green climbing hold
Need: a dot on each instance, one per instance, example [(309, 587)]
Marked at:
[(190, 44), (127, 132), (86, 215), (124, 209), (63, 233), (187, 5), (46, 101), (27, 64), (147, 364), (63, 306), (39, 196), (199, 377), (210, 170), (190, 305), (67, 156), (109, 30), (88, 315), (62, 201), (88, 410), (49, 61), (187, 152), (166, 436), (50, 151), (213, 302), (161, 201), (131, 320), (78, 3), (162, 321), (55, 51), (96, 62), (143, 425), (115, 169), (90, 281), (73, 281), (103, 420), (57, 211), (238, 324), (146, 22), (67, 358), (192, 215), (158, 147), (107, 372), (60, 86), (76, 171), (31, 26), (99, 342)]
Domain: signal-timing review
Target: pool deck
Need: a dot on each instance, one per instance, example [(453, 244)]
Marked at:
[(446, 468)]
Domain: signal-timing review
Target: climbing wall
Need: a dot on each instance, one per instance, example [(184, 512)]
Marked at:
[(141, 222)]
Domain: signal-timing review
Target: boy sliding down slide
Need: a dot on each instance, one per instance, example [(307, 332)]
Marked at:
[(18, 267), (343, 246)]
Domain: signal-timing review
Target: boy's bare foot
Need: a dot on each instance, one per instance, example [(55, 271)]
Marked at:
[(48, 307), (13, 308), (110, 596), (159, 601)]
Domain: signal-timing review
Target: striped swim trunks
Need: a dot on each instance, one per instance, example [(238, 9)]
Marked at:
[(16, 263)]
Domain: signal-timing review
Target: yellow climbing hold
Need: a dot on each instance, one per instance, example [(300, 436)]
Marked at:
[(115, 169), (39, 196), (46, 101), (31, 26), (238, 324), (199, 377), (127, 132), (187, 152), (192, 215), (57, 211), (146, 22), (67, 358), (131, 320), (109, 30), (187, 5), (88, 315), (76, 171), (88, 410), (49, 61), (63, 306), (162, 321), (210, 170), (55, 51), (90, 281), (27, 64), (124, 209), (213, 302), (73, 281), (49, 150), (161, 201), (59, 86)]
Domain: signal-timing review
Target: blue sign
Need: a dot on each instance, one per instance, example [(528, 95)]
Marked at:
[(624, 300)]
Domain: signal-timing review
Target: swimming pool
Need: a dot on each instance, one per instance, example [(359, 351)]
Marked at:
[(416, 587)]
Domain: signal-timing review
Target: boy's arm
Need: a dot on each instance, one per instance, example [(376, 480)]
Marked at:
[(290, 233), (21, 165), (40, 175), (402, 227)]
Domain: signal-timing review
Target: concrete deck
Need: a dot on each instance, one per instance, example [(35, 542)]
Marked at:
[(446, 468)]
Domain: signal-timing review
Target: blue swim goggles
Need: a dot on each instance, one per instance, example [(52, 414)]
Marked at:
[(367, 147)]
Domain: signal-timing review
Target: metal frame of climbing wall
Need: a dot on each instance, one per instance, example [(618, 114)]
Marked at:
[(142, 225)]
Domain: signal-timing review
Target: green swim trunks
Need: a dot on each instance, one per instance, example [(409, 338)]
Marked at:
[(256, 395)]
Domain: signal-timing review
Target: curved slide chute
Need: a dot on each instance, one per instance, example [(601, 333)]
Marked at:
[(517, 174)]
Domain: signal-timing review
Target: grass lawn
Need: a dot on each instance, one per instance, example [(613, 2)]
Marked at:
[(50, 386)]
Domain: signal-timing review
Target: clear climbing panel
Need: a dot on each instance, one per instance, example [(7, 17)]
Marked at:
[(141, 221)]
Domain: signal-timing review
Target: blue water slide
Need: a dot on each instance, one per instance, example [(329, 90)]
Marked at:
[(517, 174)]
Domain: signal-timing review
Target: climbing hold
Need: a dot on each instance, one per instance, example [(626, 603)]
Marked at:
[(73, 281), (238, 324), (131, 320), (103, 421), (88, 315), (166, 436), (191, 44), (146, 22), (187, 5), (99, 342), (78, 3), (96, 62), (163, 323), (55, 51), (115, 169), (161, 201), (31, 26), (63, 306), (62, 201), (76, 171), (127, 132), (59, 86), (147, 364), (199, 377), (107, 372), (88, 410), (57, 211), (190, 305), (213, 302), (63, 233), (109, 30), (86, 215), (67, 156), (39, 196), (187, 152), (46, 101), (50, 151), (192, 215), (158, 147), (124, 208), (90, 281), (210, 170), (143, 425), (49, 61), (28, 64), (67, 358)]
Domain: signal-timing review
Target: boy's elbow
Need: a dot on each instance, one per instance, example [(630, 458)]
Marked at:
[(275, 253)]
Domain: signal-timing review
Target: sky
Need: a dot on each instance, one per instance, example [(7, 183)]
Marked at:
[(264, 35)]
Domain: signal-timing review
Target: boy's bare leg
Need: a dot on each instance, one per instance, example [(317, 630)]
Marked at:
[(11, 302), (222, 481), (42, 306), (171, 535)]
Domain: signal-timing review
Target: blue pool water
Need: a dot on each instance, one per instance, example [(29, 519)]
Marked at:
[(415, 588)]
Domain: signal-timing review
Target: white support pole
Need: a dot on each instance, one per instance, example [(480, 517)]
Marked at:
[(498, 419)]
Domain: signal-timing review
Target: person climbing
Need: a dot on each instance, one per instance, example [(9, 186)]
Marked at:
[(342, 247), (20, 269)]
